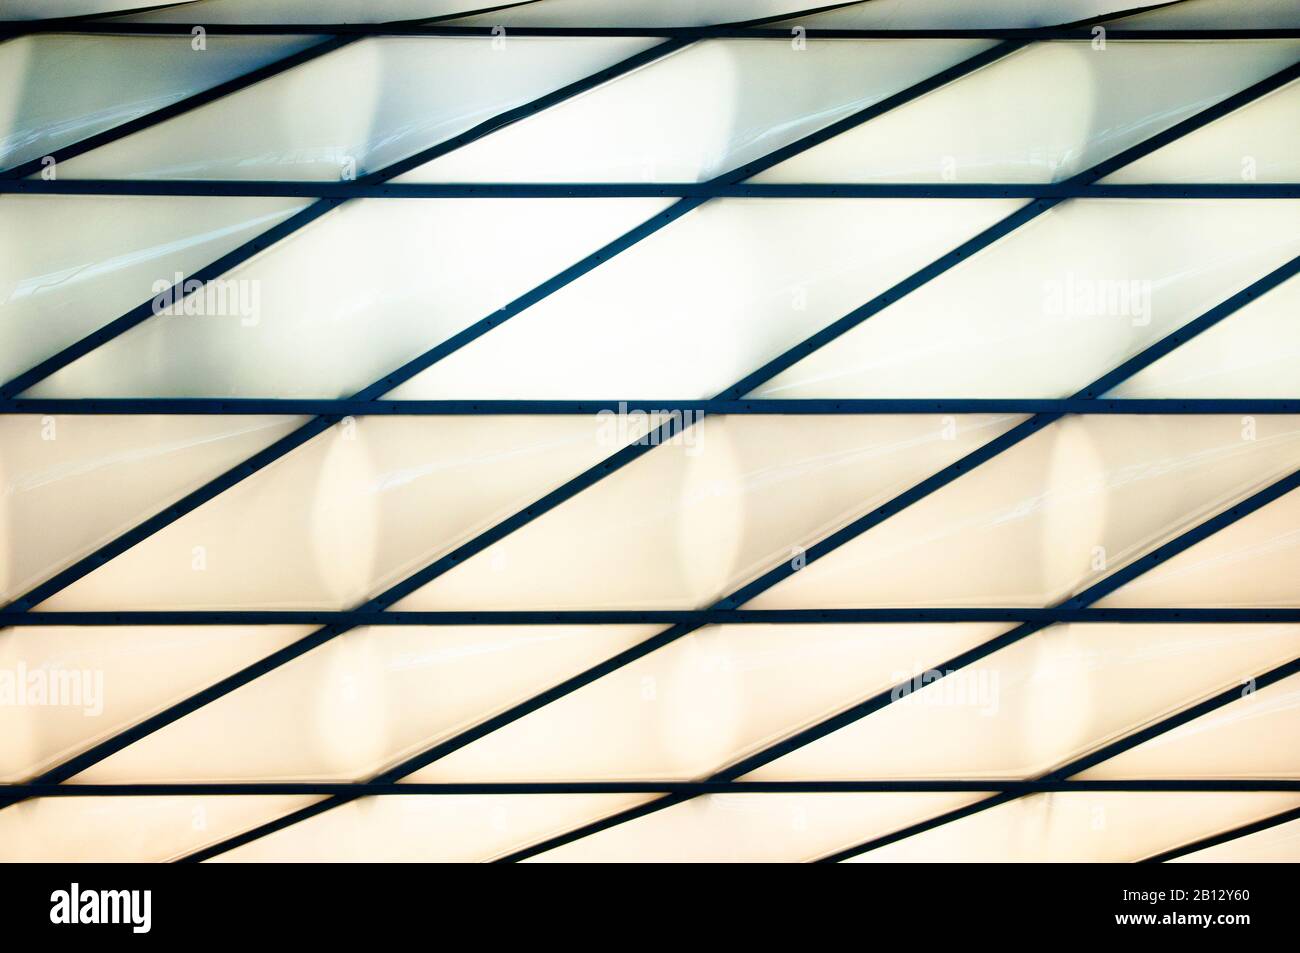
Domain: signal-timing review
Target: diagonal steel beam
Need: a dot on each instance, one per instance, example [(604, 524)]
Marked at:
[(680, 630)]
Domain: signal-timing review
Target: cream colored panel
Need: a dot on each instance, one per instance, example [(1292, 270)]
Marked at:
[(633, 13), (1256, 736), (59, 89), (1275, 845), (1253, 562), (1105, 827), (347, 515), (712, 509), (1254, 352), (72, 483), (351, 298), (695, 307), (1056, 304), (937, 14), (461, 828), (1222, 14), (1062, 108), (1054, 514), (71, 263), (705, 701), (713, 107), (303, 11), (1043, 702), (63, 689), (1260, 143), (756, 828), (130, 829), (362, 702), (355, 110)]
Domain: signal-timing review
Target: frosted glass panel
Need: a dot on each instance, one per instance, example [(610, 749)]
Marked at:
[(705, 701), (355, 110), (70, 264), (1042, 702), (364, 701), (1058, 512), (350, 298), (303, 11), (710, 108), (726, 288), (727, 500), (348, 514), (59, 89), (1054, 305), (66, 688), (1209, 14), (632, 13), (1106, 827), (936, 14), (1062, 107), (74, 482), (1276, 845)]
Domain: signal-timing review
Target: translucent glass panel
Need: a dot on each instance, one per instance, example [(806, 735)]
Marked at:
[(1258, 143), (937, 14), (633, 13), (362, 702), (1059, 511), (1062, 107), (1253, 562), (130, 829), (1045, 701), (66, 688), (71, 483), (348, 514), (727, 500), (40, 9), (1109, 827), (710, 108), (1257, 736), (432, 829), (705, 301), (705, 701), (1275, 845), (355, 110), (350, 298), (1254, 353), (58, 89), (1054, 305), (70, 264), (303, 11), (756, 828), (1221, 14)]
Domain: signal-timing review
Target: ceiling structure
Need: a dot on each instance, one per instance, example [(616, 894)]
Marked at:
[(591, 431)]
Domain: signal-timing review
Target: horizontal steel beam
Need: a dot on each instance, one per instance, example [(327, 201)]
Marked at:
[(703, 190), (636, 616), (694, 788), (126, 406)]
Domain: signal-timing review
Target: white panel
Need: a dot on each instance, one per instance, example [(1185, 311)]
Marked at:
[(70, 264), (59, 89), (63, 689), (350, 298), (1275, 845), (462, 828), (1254, 352), (1106, 827), (304, 11), (364, 701), (937, 14), (634, 13), (353, 111), (1043, 702), (1259, 143), (1256, 736), (1220, 14), (40, 9), (1062, 108), (755, 828), (72, 483), (713, 107), (130, 829), (695, 307), (691, 521), (1056, 513), (705, 701), (1056, 304), (345, 516), (1253, 562)]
